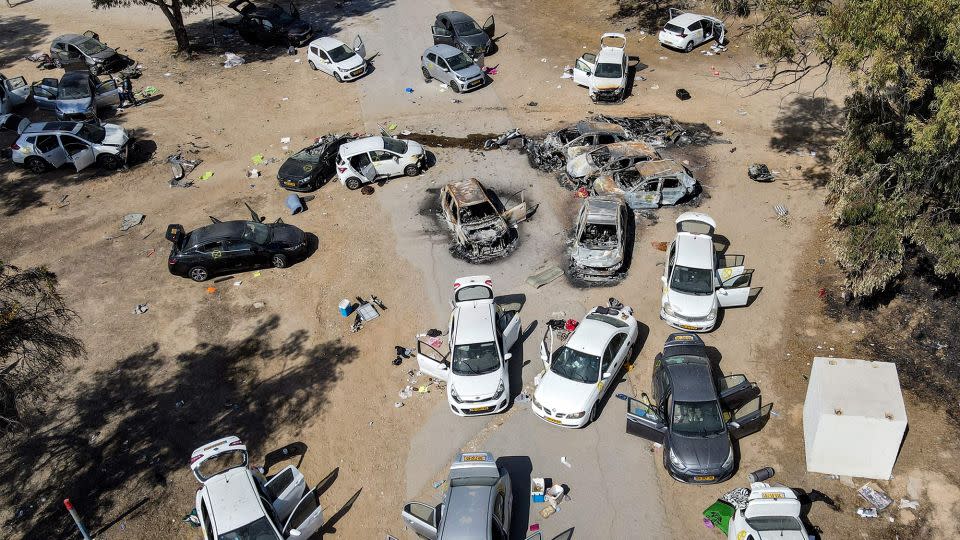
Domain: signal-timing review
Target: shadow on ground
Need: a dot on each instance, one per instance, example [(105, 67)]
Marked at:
[(130, 427), (21, 37), (809, 124)]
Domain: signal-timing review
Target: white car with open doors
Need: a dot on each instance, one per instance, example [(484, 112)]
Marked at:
[(580, 372), (481, 335), (235, 501), (333, 57), (605, 73), (685, 31), (697, 281), (377, 158)]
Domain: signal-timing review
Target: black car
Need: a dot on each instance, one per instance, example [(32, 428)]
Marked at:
[(690, 412), (309, 168), (229, 246), (461, 31), (271, 24)]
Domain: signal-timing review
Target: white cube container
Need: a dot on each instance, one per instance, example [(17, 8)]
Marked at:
[(853, 418)]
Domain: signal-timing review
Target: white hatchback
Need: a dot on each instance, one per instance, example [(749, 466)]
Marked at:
[(333, 57), (374, 158), (772, 511), (481, 335), (685, 31), (605, 73), (578, 374)]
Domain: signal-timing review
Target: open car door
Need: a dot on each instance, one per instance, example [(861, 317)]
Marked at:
[(489, 27), (441, 35), (359, 47), (509, 329), (584, 69), (736, 390), (421, 519), (306, 518), (17, 90), (369, 171), (643, 422), (82, 158), (749, 418), (613, 39), (432, 362), (735, 291), (546, 347), (646, 195), (108, 93), (696, 223), (285, 490), (516, 214)]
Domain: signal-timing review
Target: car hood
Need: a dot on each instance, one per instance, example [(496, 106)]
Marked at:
[(286, 235), (476, 40), (413, 148), (298, 27), (560, 394), (574, 151), (599, 258), (606, 184), (470, 72), (476, 386), (74, 105), (115, 135), (580, 166), (293, 169), (607, 84), (691, 305), (351, 63), (105, 54), (702, 453)]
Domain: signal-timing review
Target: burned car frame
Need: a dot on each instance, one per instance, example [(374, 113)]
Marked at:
[(651, 184), (609, 158), (482, 229), (558, 147), (599, 248)]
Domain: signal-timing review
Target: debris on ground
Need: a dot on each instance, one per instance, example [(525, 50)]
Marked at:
[(563, 459), (140, 309), (181, 168), (908, 504), (232, 60), (366, 311), (867, 512), (497, 142), (206, 175), (367, 190), (253, 173), (130, 221), (760, 172), (781, 211), (683, 94), (544, 276), (294, 203), (871, 493)]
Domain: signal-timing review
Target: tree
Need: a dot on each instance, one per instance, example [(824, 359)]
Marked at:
[(894, 183), (35, 338), (172, 10)]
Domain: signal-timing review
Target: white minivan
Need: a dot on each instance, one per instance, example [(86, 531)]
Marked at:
[(375, 158)]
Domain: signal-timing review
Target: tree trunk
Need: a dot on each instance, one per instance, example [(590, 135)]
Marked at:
[(174, 15)]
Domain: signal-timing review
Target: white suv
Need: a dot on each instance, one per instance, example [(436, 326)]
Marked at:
[(685, 31), (48, 145), (373, 158), (236, 501), (605, 73), (481, 336)]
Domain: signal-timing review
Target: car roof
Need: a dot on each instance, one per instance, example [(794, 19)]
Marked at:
[(602, 209), (455, 16), (695, 250), (467, 192), (659, 167), (588, 126), (591, 336), (37, 127), (326, 43), (71, 38), (80, 75), (365, 144), (686, 19), (630, 149), (474, 322), (691, 381), (467, 513), (216, 231), (233, 498), (444, 50)]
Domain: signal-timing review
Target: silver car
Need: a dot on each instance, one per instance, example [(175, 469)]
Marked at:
[(599, 247), (76, 96), (72, 51), (451, 66)]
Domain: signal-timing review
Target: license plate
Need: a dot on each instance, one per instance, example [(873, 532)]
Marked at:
[(474, 458), (480, 409), (475, 83), (356, 72), (289, 183), (554, 420), (688, 327), (704, 478)]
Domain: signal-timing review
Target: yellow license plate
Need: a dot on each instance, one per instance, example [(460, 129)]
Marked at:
[(704, 478), (554, 420), (474, 458), (772, 495), (688, 327), (475, 83), (480, 409), (289, 183)]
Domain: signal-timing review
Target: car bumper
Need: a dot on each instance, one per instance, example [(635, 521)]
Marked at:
[(353, 74), (295, 185), (607, 96), (480, 408), (671, 40), (571, 423), (688, 325), (700, 477), (471, 85), (588, 273)]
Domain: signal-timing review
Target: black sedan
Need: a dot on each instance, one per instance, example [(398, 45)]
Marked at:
[(691, 412), (311, 167), (229, 246), (461, 31), (271, 24)]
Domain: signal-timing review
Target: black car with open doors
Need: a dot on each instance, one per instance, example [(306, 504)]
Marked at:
[(695, 415), (461, 31), (312, 166), (271, 24), (230, 246)]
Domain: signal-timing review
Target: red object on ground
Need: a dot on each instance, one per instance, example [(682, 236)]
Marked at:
[(582, 193), (571, 325), (822, 292)]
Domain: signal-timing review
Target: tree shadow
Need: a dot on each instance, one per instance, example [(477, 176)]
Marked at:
[(21, 37), (128, 428), (809, 124)]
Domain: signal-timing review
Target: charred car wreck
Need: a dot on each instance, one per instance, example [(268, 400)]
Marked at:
[(558, 147), (651, 184), (600, 240), (482, 230)]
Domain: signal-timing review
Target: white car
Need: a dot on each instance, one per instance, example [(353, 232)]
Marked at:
[(481, 335), (48, 145), (235, 501), (771, 512), (333, 57), (696, 282), (578, 374), (13, 93), (685, 31), (605, 73), (374, 158)]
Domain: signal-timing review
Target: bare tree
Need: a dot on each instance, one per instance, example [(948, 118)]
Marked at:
[(171, 9)]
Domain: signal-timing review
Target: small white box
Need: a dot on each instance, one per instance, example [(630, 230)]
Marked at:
[(853, 418)]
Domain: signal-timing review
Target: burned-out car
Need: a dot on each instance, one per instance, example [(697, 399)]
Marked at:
[(271, 24), (610, 158), (74, 51), (481, 229), (648, 185), (559, 147), (311, 167), (600, 240)]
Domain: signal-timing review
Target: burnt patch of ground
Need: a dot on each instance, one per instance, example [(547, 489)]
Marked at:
[(474, 141)]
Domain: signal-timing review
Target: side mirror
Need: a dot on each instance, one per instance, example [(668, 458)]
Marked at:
[(507, 357), (607, 375), (396, 159), (734, 425), (295, 532), (663, 279)]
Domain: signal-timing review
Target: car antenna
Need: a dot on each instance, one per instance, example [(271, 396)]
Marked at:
[(215, 220)]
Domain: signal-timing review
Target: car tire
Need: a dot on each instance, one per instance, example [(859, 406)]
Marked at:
[(337, 77), (312, 65), (454, 87), (94, 70), (57, 63), (108, 162), (37, 165), (198, 274), (411, 170), (353, 183), (689, 46), (279, 261), (426, 75), (595, 412)]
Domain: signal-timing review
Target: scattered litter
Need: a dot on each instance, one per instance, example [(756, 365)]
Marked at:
[(438, 483), (621, 395), (741, 112), (257, 159), (734, 149), (737, 497), (392, 127), (140, 309), (211, 290), (759, 172), (663, 57), (406, 132), (718, 516), (237, 283), (867, 512), (206, 175), (532, 104), (253, 173), (660, 246), (284, 99), (130, 221), (567, 73), (257, 274), (367, 190), (294, 203), (284, 140), (563, 459), (875, 496), (179, 404), (455, 101), (167, 74), (398, 404), (544, 276), (683, 94), (258, 305), (408, 90), (291, 50), (297, 61), (233, 60), (544, 60), (524, 397), (655, 87), (491, 70), (912, 505), (781, 211)]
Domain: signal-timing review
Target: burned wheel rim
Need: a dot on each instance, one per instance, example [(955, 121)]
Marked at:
[(279, 261), (198, 273), (411, 170)]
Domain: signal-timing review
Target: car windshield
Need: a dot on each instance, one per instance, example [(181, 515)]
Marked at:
[(691, 280), (474, 481), (607, 70), (599, 236), (575, 365), (673, 28), (774, 523), (258, 233), (260, 529), (466, 28), (477, 212), (475, 358), (219, 463), (92, 133), (459, 61), (395, 145), (90, 46), (341, 53), (74, 88), (697, 418), (310, 155)]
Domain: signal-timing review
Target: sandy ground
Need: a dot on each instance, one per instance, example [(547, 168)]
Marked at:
[(196, 366)]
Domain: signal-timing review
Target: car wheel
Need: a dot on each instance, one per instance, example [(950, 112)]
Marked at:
[(198, 274), (595, 412), (337, 77), (279, 261), (689, 46), (312, 65), (36, 164), (94, 69), (454, 87), (57, 63), (411, 170), (353, 183), (426, 75), (109, 162)]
